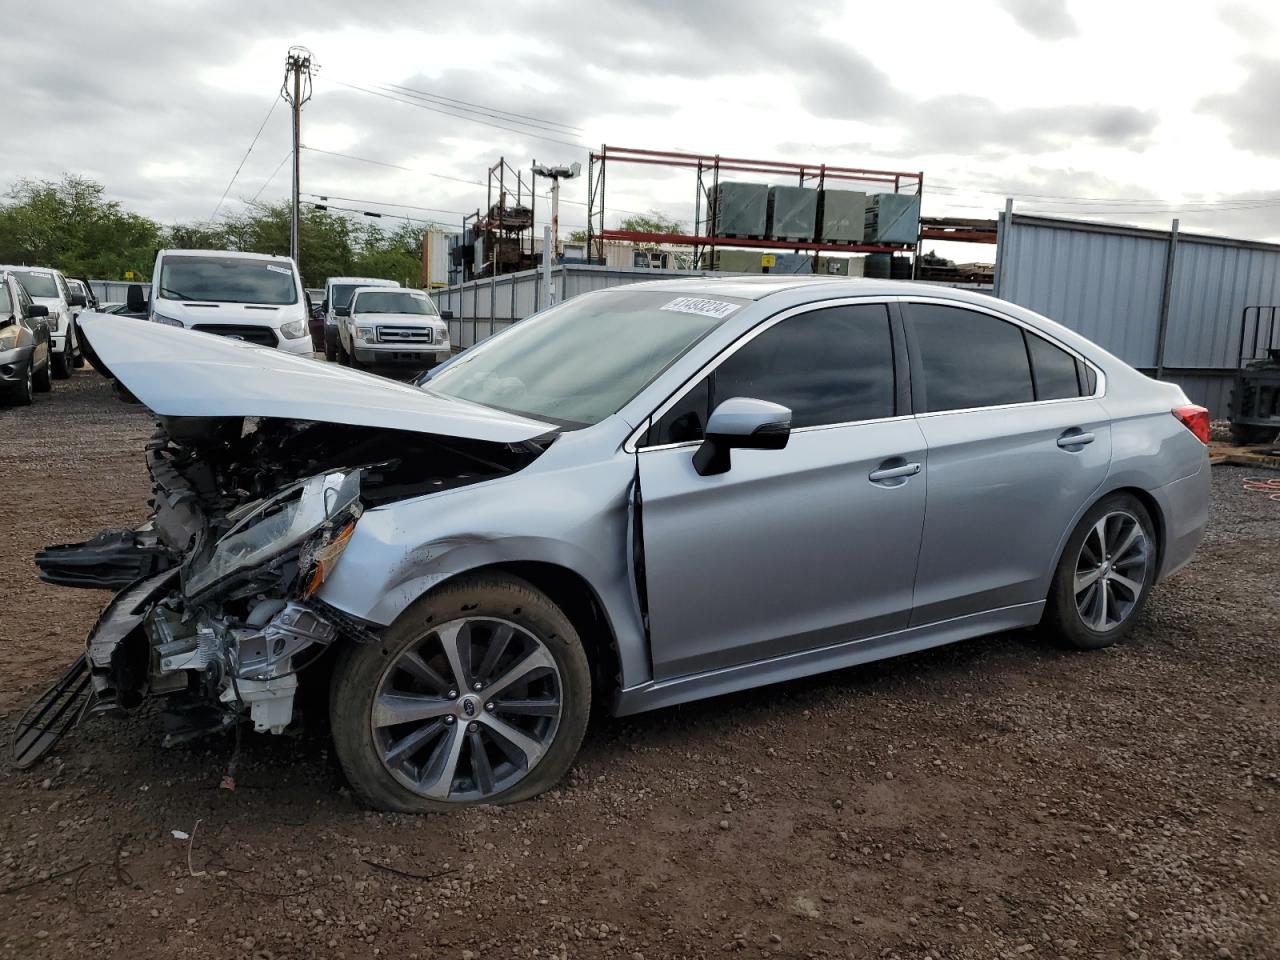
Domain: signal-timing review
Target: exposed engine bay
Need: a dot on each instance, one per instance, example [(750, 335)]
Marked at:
[(217, 609)]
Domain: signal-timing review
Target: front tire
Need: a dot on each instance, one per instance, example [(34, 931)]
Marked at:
[(43, 381), (478, 693), (23, 390), (62, 365), (1105, 574)]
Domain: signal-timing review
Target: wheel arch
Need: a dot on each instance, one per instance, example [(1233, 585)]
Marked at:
[(574, 595), (1144, 497)]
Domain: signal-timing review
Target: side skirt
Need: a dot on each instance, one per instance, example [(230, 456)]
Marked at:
[(713, 683)]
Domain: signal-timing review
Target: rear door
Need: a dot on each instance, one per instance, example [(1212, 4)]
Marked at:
[(1018, 445), (790, 549)]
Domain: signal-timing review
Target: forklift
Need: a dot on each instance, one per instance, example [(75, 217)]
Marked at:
[(1255, 397)]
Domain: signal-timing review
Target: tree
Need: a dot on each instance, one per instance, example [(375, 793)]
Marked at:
[(655, 221), (67, 225)]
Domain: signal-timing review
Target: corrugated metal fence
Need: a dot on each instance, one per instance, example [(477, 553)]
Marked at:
[(1169, 303)]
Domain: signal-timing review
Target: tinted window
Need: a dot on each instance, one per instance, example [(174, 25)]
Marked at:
[(969, 359), (827, 366), (6, 305), (1054, 369), (1089, 379)]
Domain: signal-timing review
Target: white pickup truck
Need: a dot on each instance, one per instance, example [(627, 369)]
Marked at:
[(392, 327), (253, 297)]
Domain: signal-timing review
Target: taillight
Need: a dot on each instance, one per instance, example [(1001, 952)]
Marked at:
[(1195, 419)]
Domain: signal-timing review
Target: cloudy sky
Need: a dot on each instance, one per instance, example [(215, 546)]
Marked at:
[(1126, 111)]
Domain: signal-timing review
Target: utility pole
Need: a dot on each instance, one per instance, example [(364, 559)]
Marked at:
[(556, 174), (296, 91)]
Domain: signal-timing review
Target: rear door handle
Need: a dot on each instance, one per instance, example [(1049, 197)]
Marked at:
[(1074, 438), (893, 473)]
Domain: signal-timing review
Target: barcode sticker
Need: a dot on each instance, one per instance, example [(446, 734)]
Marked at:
[(702, 306)]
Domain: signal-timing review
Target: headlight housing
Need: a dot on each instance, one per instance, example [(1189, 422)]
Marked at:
[(316, 516), (294, 329), (167, 321), (364, 333), (55, 320)]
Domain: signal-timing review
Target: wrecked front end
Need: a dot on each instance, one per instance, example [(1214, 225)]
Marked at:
[(217, 609)]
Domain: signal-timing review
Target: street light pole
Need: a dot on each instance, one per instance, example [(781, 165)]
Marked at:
[(556, 174), (297, 65)]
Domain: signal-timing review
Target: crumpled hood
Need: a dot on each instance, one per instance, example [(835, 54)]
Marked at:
[(184, 373), (258, 315)]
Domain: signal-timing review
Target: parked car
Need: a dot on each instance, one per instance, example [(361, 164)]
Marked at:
[(26, 362), (252, 297), (49, 288), (386, 327), (337, 296), (83, 288), (643, 495)]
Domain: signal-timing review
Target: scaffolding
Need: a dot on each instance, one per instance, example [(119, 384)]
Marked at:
[(503, 232)]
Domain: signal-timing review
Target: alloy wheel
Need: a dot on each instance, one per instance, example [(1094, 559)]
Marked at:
[(468, 710), (1112, 569)]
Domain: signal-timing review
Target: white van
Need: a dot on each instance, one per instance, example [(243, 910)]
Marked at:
[(255, 297), (337, 296)]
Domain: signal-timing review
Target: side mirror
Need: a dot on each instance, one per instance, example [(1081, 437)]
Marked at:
[(36, 310), (342, 311), (744, 424), (77, 300), (446, 314), (134, 299)]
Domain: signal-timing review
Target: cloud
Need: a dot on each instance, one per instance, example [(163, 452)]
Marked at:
[(1043, 19), (1249, 111)]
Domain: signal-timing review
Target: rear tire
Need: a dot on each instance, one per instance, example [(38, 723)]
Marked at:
[(408, 766), (1105, 574)]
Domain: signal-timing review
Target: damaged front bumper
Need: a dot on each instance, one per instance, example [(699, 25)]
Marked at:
[(216, 609)]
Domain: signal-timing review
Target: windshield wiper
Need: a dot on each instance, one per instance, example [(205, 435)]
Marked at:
[(176, 295)]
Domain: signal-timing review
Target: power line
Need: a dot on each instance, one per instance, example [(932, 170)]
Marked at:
[(252, 143), (424, 106), (274, 173), (483, 110)]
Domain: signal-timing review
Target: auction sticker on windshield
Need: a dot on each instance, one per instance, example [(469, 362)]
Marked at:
[(702, 306), (285, 270)]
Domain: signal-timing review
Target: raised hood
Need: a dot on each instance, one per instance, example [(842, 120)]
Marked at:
[(185, 373)]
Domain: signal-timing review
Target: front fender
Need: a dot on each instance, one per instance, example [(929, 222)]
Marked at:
[(577, 518)]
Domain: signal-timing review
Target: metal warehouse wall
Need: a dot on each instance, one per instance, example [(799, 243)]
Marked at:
[(484, 307), (1113, 285)]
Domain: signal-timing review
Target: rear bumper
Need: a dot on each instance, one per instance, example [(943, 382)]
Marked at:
[(1184, 505)]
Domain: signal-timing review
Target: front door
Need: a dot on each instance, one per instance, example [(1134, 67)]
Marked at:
[(790, 549)]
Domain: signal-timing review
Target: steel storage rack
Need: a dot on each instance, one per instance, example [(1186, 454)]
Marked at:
[(709, 172)]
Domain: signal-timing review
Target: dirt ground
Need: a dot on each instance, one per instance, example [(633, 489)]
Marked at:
[(998, 798)]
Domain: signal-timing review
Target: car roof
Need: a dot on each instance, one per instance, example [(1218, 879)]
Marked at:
[(229, 254), (767, 285), (28, 266), (368, 281)]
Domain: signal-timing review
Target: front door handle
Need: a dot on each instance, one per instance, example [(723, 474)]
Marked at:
[(1074, 438), (898, 471)]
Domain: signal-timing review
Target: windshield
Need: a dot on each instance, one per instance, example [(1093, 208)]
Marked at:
[(340, 293), (393, 301), (581, 361), (227, 280), (38, 283)]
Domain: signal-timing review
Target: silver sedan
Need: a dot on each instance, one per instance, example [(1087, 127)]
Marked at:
[(642, 496)]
